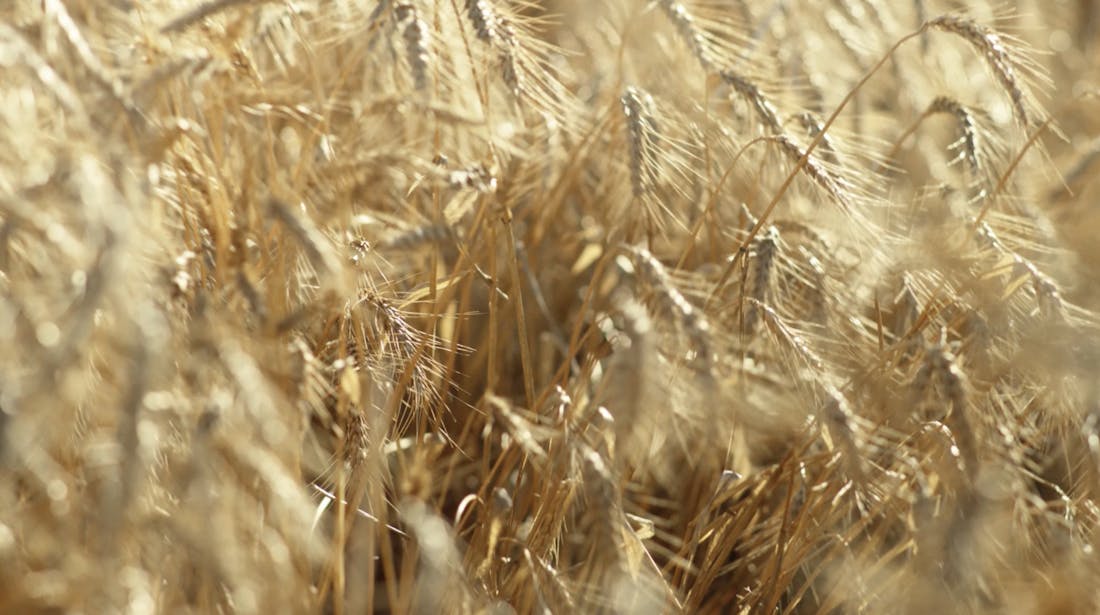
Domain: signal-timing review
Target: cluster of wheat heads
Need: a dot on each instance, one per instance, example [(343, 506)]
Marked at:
[(503, 306)]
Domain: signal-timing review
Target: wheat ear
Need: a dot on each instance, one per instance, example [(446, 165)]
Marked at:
[(765, 251), (969, 137), (940, 367), (685, 26), (993, 49), (1047, 295), (641, 132), (814, 127), (760, 103), (431, 234), (787, 336), (492, 28), (968, 128), (693, 322), (317, 248), (813, 169), (417, 44), (95, 67)]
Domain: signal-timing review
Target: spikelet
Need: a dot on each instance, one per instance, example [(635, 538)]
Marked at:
[(487, 24)]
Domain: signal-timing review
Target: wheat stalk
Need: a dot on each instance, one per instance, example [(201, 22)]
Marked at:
[(417, 44)]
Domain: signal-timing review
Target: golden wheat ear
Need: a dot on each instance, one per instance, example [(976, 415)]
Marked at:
[(507, 41), (766, 111), (715, 36), (659, 160), (1007, 58), (692, 321), (977, 146), (418, 45)]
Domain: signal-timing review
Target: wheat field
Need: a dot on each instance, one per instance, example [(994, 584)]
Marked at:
[(562, 306)]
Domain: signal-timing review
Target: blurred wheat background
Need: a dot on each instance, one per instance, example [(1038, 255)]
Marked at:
[(563, 306)]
